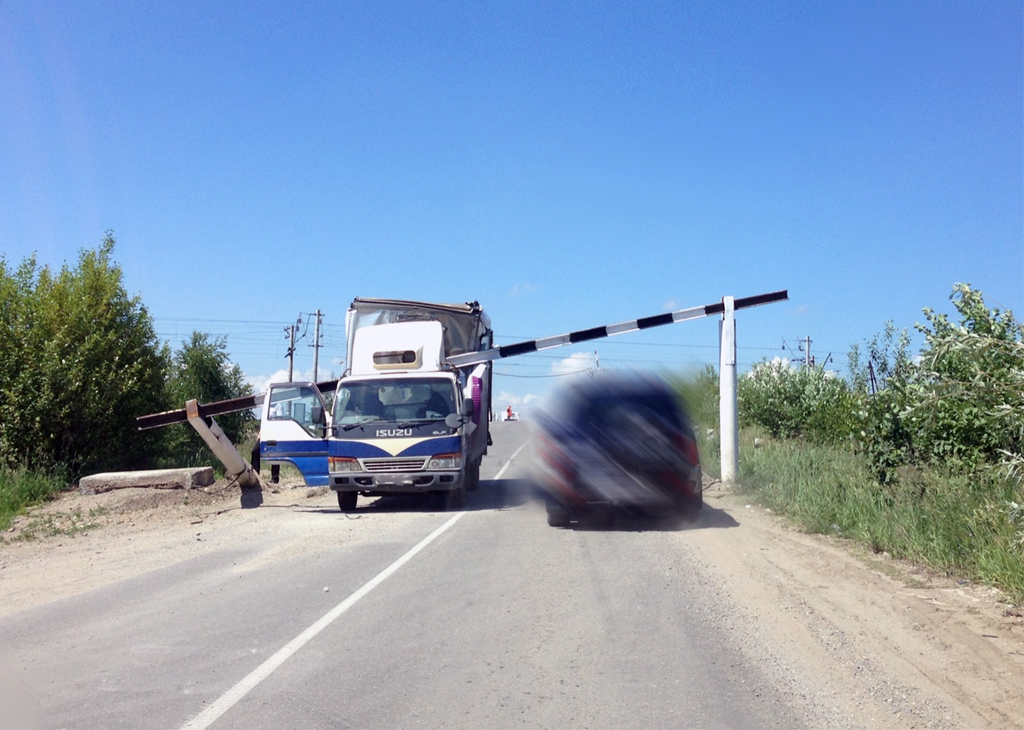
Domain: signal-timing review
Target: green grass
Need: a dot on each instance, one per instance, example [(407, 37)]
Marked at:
[(967, 524), (69, 524), (20, 488)]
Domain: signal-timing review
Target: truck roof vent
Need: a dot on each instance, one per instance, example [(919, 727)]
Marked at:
[(397, 359)]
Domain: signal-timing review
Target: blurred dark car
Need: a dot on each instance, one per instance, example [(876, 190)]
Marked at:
[(619, 441)]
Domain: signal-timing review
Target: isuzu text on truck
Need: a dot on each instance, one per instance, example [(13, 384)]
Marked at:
[(403, 419)]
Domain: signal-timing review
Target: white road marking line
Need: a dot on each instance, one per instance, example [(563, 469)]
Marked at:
[(226, 701), (510, 460)]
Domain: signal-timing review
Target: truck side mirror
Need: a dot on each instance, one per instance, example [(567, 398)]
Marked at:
[(454, 420), (317, 413)]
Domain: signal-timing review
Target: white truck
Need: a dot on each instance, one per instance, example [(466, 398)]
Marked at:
[(404, 419)]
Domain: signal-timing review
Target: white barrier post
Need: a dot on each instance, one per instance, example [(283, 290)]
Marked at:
[(729, 427)]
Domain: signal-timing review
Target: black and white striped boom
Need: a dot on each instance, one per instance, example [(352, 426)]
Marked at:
[(595, 333)]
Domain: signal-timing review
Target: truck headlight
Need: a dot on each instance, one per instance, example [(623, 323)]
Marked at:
[(445, 461), (342, 463)]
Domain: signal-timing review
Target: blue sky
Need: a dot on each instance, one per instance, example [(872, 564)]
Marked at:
[(567, 164)]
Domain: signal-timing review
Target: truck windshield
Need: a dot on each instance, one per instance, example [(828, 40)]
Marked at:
[(415, 399)]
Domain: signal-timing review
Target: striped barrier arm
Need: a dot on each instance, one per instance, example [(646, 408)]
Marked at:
[(594, 333)]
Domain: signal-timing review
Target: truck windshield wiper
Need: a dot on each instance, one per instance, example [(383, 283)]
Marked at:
[(418, 422), (350, 426)]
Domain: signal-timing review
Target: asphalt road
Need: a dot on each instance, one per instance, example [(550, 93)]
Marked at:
[(498, 621)]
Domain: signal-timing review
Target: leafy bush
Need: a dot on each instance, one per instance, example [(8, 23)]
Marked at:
[(883, 388), (699, 395), (961, 405), (969, 403), (791, 402), (201, 369), (80, 362)]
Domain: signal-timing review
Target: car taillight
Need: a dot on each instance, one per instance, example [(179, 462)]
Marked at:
[(681, 484), (560, 470), (688, 448), (342, 463)]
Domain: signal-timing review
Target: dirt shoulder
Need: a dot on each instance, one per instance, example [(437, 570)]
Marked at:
[(880, 642), (80, 542)]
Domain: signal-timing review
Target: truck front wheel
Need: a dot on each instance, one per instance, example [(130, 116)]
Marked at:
[(473, 477), (347, 501), (455, 499)]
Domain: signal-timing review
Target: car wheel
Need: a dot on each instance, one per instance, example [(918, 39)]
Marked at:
[(689, 507), (602, 516), (347, 501), (558, 516), (455, 499)]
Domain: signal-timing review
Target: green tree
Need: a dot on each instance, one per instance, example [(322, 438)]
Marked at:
[(790, 402), (960, 404), (699, 394), (80, 361), (883, 434), (970, 403), (201, 369)]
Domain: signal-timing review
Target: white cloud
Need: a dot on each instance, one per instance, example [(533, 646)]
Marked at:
[(577, 362), (524, 405), (504, 399), (260, 383), (670, 305)]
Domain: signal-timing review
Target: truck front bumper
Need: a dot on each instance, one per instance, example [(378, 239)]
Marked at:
[(397, 483)]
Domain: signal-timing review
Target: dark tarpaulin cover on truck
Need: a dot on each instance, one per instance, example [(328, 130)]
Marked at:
[(464, 324)]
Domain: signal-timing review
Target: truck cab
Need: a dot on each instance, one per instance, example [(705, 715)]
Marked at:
[(387, 434), (402, 419), (401, 434)]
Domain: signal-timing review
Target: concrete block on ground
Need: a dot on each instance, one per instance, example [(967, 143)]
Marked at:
[(153, 479)]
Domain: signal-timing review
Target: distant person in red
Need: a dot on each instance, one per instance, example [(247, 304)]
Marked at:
[(508, 414)]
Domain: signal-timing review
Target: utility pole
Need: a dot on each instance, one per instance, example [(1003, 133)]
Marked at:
[(290, 330), (316, 345), (727, 404), (805, 348)]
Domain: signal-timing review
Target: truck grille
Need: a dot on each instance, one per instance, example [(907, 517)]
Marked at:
[(386, 465)]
